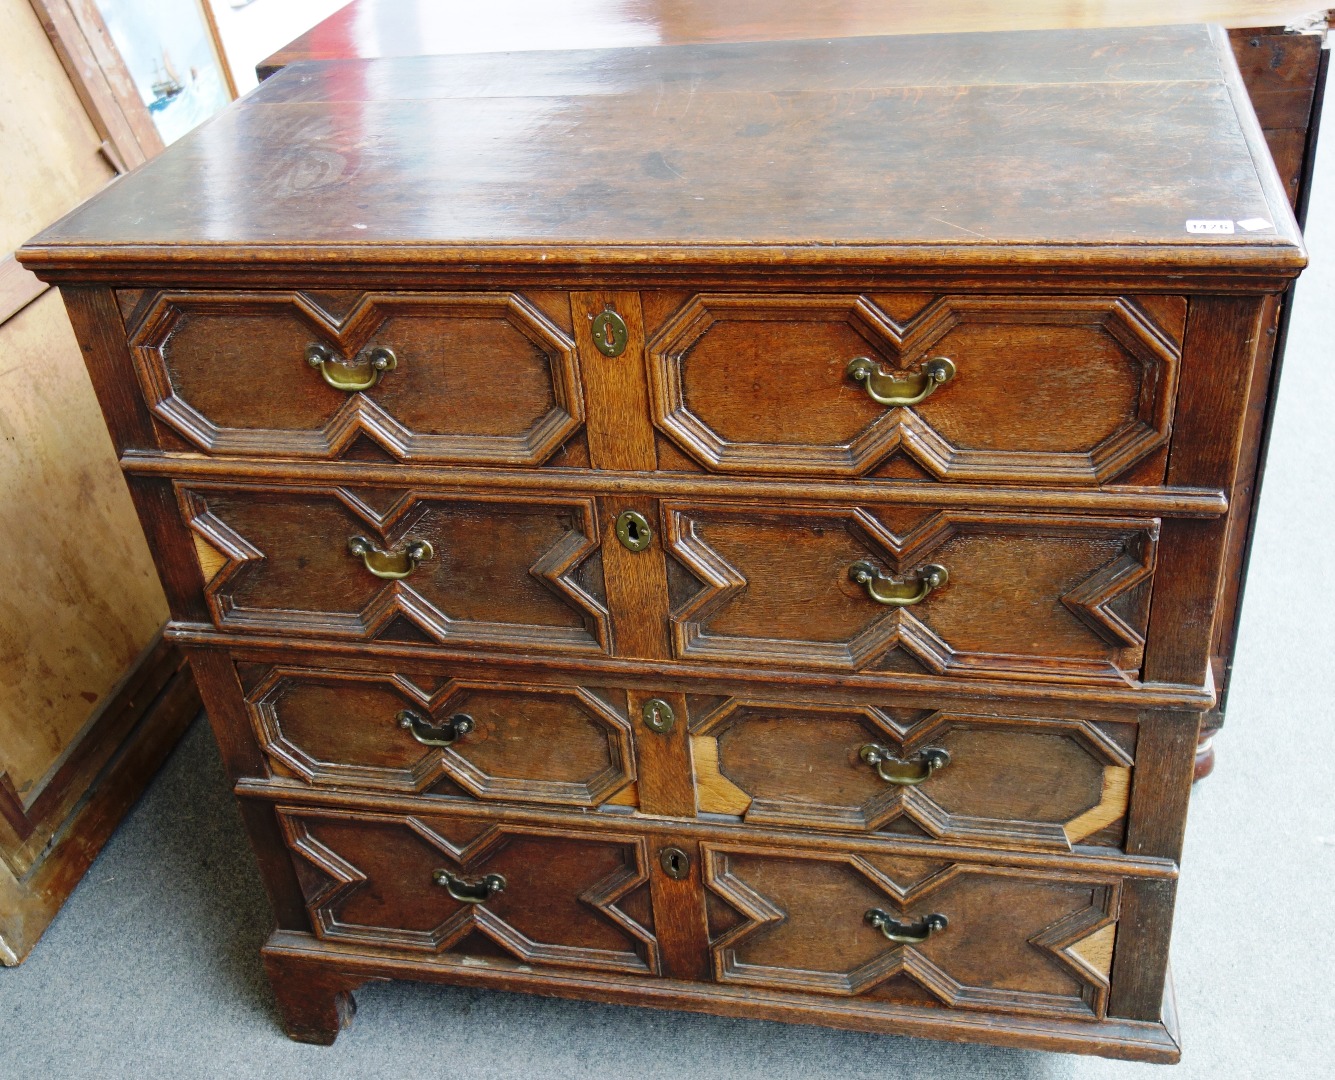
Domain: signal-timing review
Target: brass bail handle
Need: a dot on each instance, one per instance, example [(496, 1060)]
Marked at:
[(902, 933), (884, 589), (429, 734), (906, 772), (895, 390), (470, 892), (345, 377), (391, 565)]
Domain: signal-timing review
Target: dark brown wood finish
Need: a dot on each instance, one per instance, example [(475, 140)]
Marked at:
[(953, 777), (1279, 48), (664, 753), (740, 361), (737, 190)]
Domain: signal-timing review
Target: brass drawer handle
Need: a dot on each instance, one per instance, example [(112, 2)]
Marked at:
[(349, 379), (470, 892), (896, 391), (886, 590), (429, 734), (905, 933), (391, 565), (906, 772)]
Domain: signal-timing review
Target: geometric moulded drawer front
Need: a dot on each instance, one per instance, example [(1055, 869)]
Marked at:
[(1051, 390), (918, 931), (958, 778), (363, 564), (912, 589), (480, 378), (402, 732), (465, 888)]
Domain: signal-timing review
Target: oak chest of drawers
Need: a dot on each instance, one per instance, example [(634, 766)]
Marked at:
[(734, 528)]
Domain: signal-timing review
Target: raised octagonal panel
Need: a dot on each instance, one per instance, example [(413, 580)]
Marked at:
[(482, 378), (528, 743), (1047, 389)]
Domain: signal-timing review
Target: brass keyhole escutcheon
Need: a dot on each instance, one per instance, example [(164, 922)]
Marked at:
[(658, 715), (675, 863), (609, 333), (633, 530)]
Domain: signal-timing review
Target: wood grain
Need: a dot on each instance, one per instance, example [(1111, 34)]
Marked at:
[(1209, 427), (739, 197), (371, 28), (1112, 805), (103, 781), (663, 760), (1165, 748), (680, 923), (83, 602), (1144, 928), (715, 793)]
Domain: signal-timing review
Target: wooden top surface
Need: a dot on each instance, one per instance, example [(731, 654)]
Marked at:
[(1043, 147), (373, 28)]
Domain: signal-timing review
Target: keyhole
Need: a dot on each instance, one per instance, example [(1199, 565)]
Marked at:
[(633, 530), (675, 863), (609, 333), (658, 715)]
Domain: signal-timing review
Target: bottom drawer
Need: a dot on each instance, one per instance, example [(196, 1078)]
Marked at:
[(912, 930), (866, 923), (437, 884)]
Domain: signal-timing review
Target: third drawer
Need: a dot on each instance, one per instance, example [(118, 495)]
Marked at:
[(958, 774)]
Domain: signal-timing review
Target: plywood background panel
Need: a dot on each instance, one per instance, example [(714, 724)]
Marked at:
[(47, 143), (81, 598)]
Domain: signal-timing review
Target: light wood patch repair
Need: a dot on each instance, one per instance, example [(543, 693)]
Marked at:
[(211, 560), (1111, 807), (627, 796), (1097, 949), (714, 792)]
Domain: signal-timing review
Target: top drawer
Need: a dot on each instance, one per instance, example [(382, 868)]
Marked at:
[(1033, 390), (469, 378)]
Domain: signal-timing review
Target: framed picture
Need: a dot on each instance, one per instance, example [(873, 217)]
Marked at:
[(172, 52)]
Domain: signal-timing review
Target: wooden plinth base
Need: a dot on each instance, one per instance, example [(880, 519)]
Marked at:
[(314, 981)]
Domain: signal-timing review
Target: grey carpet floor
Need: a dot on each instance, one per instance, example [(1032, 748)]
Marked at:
[(152, 969)]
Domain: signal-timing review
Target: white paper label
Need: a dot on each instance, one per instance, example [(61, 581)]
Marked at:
[(1209, 227), (1252, 224)]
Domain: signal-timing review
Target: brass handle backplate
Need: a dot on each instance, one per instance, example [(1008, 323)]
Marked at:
[(908, 772), (429, 734), (470, 892), (914, 933), (886, 590), (350, 379), (391, 565), (895, 390)]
